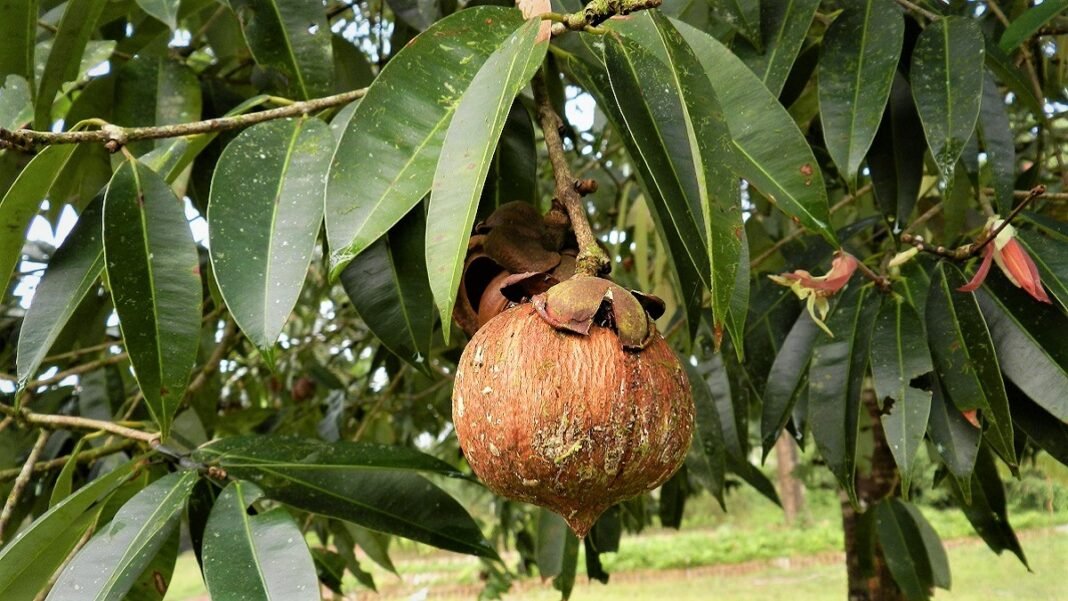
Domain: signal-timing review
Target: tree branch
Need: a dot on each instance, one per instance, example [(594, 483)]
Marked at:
[(115, 137), (59, 462), (596, 12), (591, 259), (21, 481), (55, 422)]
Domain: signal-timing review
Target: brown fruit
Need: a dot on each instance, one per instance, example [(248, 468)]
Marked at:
[(568, 420)]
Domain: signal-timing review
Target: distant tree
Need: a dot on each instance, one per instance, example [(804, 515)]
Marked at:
[(235, 237)]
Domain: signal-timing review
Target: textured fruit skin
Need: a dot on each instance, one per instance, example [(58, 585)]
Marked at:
[(569, 422)]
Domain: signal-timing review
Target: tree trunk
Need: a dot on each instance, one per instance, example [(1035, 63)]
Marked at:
[(790, 491), (869, 576)]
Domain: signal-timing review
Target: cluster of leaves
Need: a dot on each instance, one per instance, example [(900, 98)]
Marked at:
[(722, 133)]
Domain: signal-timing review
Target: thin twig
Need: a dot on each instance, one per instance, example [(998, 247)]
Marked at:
[(919, 10), (794, 235), (116, 137), (59, 462), (84, 351), (77, 370), (52, 421), (591, 259), (596, 12), (22, 480), (212, 365), (1036, 192)]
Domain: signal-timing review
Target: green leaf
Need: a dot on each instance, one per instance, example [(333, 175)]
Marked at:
[(743, 16), (375, 486), (1051, 259), (964, 356), (784, 26), (697, 198), (955, 439), (72, 272), (1028, 24), (374, 544), (936, 553), (383, 166), (466, 153), (986, 508), (352, 70), (419, 14), (64, 60), (260, 556), (947, 86), (65, 480), (896, 166), (388, 285), (23, 200), (551, 540), (16, 102), (165, 11), (155, 90), (905, 547), (836, 378), (110, 564), (899, 355), (155, 579), (708, 451), (565, 580), (771, 151), (264, 216), (19, 40), (856, 69), (513, 172), (1030, 343), (999, 143), (291, 40), (154, 275), (28, 562), (1047, 432), (784, 379), (1012, 77)]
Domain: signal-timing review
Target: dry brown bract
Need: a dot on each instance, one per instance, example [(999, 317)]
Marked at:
[(560, 414)]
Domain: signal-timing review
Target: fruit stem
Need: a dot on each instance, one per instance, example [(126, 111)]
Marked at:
[(591, 259)]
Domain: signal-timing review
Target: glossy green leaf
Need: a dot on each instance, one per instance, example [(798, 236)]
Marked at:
[(954, 438), (388, 285), (23, 200), (65, 480), (352, 70), (784, 26), (552, 536), (677, 107), (466, 153), (999, 143), (707, 458), (1030, 343), (856, 69), (64, 60), (771, 151), (375, 486), (18, 43), (986, 508), (1047, 432), (743, 16), (896, 166), (513, 172), (154, 90), (374, 544), (382, 166), (264, 216), (899, 355), (260, 556), (116, 556), (291, 39), (1051, 259), (785, 378), (910, 552), (419, 14), (73, 271), (155, 578), (1012, 76), (16, 102), (154, 275), (964, 356), (28, 562), (835, 381), (166, 11), (1028, 23), (947, 86)]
